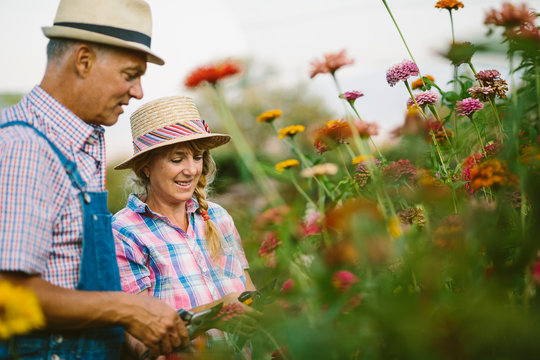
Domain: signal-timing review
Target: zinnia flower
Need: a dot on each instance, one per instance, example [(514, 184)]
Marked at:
[(319, 170), (367, 129), (401, 72), (418, 83), (510, 16), (211, 73), (269, 244), (423, 99), (330, 64), (449, 233), (20, 311), (492, 79), (288, 286), (286, 164), (332, 133), (449, 4), (441, 133), (351, 96), (290, 131), (230, 311), (269, 116), (468, 106), (491, 172), (400, 169), (411, 216), (343, 280), (482, 93)]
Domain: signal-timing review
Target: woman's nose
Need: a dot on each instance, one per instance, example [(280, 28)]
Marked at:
[(190, 168)]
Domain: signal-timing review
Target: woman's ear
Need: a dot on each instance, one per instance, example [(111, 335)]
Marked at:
[(146, 172)]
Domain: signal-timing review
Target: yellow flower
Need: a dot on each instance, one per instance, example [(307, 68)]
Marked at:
[(291, 130), (286, 164), (20, 311), (269, 116), (362, 158), (393, 228), (321, 169), (449, 4)]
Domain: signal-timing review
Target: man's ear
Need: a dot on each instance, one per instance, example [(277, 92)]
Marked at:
[(85, 58)]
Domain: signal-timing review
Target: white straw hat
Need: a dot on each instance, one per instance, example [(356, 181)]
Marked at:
[(167, 121), (121, 23)]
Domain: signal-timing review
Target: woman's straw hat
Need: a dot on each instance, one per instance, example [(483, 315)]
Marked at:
[(120, 23), (167, 121)]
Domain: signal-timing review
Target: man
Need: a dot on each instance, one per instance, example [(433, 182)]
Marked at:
[(55, 233)]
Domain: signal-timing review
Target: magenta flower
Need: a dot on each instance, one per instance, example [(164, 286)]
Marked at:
[(468, 106), (288, 286), (343, 280), (351, 96), (269, 244), (423, 99), (401, 72)]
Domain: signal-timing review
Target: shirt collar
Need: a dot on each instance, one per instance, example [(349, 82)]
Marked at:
[(138, 206), (63, 122)]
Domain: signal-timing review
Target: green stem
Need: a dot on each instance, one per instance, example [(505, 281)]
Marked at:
[(479, 136), (342, 158), (402, 38), (452, 26), (301, 191), (370, 138), (439, 152), (245, 152), (537, 80)]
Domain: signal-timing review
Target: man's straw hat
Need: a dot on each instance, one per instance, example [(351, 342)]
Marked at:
[(120, 23), (167, 121)]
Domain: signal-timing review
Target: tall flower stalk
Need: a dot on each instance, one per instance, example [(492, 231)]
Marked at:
[(244, 150)]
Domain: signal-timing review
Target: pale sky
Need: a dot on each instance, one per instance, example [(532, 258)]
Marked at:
[(285, 33)]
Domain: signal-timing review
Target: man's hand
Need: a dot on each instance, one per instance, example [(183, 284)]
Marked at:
[(155, 324)]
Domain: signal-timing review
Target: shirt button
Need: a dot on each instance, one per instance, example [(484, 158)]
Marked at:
[(58, 338), (91, 141), (55, 357)]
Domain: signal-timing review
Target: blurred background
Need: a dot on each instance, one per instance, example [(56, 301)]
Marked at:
[(276, 41)]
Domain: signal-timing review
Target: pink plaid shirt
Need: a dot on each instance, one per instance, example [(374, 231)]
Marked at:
[(176, 266), (40, 213)]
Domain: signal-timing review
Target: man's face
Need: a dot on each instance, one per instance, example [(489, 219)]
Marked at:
[(114, 79)]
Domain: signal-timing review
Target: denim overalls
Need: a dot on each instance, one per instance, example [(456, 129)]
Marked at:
[(98, 272)]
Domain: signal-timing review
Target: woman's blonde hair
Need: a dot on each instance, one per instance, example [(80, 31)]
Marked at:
[(141, 183)]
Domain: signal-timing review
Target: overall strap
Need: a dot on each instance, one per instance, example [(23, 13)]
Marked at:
[(70, 166)]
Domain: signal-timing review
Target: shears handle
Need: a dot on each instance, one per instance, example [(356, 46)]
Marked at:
[(247, 297)]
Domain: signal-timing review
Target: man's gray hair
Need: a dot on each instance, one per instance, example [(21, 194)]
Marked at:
[(58, 47)]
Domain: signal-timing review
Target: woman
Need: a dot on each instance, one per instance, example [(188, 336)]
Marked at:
[(171, 243)]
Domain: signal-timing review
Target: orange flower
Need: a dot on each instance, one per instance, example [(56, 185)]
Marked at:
[(330, 64), (332, 133), (211, 73), (417, 84), (490, 173), (449, 4)]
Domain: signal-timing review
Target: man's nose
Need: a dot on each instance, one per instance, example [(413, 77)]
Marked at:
[(136, 90)]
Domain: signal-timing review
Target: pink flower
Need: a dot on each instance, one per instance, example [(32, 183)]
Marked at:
[(230, 311), (312, 224), (401, 72), (399, 169), (468, 106), (510, 16), (424, 98), (330, 64), (288, 286), (367, 129), (269, 244), (343, 280), (488, 75), (351, 96)]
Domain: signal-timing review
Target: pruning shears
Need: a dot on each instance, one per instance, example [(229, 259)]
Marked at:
[(259, 298), (195, 321)]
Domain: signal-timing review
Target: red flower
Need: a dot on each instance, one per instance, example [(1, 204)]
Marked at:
[(230, 311), (211, 73)]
